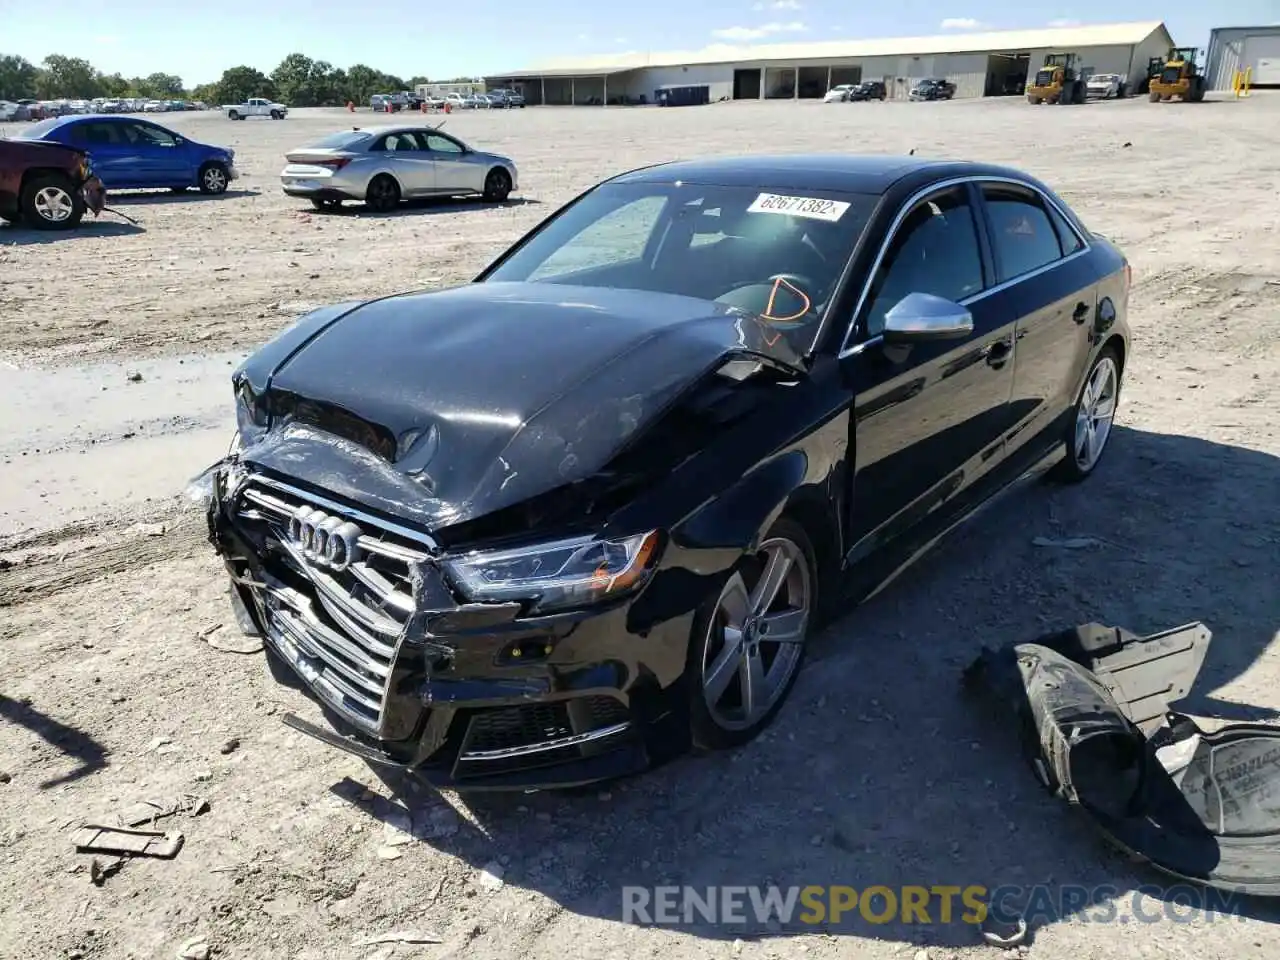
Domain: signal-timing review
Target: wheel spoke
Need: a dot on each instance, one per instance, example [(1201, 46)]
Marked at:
[(726, 666), (1105, 407), (736, 603), (775, 575), (784, 627), (755, 694)]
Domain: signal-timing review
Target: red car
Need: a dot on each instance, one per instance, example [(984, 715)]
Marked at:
[(47, 185)]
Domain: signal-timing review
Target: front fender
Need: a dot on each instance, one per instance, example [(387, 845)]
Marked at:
[(736, 519)]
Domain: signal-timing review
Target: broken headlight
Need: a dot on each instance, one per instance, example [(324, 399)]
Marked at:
[(554, 576)]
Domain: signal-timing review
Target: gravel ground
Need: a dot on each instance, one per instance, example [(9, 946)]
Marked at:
[(112, 611)]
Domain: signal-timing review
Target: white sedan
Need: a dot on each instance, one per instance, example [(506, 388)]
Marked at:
[(1104, 86), (385, 165), (839, 94)]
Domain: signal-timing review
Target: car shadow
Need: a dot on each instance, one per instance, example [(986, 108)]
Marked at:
[(90, 756), (880, 771), (428, 206), (191, 195), (21, 236)]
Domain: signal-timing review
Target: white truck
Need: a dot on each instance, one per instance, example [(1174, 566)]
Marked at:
[(256, 107)]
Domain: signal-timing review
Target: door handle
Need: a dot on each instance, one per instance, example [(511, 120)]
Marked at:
[(1081, 313), (998, 354)]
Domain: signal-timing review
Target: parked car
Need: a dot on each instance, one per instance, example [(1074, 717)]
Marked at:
[(130, 153), (457, 101), (1104, 86), (500, 578), (8, 111), (933, 88), (839, 93), (508, 97), (868, 90), (47, 185), (385, 165), (256, 107)]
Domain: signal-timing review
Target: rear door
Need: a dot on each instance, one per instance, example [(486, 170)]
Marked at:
[(113, 156), (405, 152), (928, 419), (1045, 280)]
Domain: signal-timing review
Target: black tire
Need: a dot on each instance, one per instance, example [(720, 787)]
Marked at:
[(233, 115), (275, 114), (214, 178), (40, 192), (383, 194), (1070, 470), (706, 732), (497, 186), (14, 217)]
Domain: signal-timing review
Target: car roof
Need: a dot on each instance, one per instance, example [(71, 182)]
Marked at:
[(853, 173)]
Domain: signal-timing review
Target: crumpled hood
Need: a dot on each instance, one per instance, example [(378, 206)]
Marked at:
[(448, 405)]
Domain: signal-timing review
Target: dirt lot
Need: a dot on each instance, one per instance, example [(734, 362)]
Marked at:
[(877, 773)]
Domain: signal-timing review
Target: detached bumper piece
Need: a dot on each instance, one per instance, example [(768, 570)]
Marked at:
[(1092, 706), (338, 595)]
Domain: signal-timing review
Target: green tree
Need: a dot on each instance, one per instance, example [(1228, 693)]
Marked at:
[(114, 85), (415, 81), (69, 77), (163, 86), (293, 80), (240, 83), (363, 82), (17, 78)]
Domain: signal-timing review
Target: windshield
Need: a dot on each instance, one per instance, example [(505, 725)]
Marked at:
[(340, 141), (779, 255), (37, 131)]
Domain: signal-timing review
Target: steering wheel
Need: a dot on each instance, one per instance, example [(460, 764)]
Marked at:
[(797, 283)]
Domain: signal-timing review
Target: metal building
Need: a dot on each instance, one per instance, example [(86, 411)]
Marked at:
[(979, 64), (1243, 48)]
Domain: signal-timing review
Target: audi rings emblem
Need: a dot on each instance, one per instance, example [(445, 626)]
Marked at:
[(325, 540)]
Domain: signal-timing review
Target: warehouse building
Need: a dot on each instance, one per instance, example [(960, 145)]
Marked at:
[(979, 64), (1256, 49)]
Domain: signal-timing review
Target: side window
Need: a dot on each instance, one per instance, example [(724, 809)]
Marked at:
[(1021, 231), (97, 134), (439, 144), (616, 238), (934, 251), (1066, 236)]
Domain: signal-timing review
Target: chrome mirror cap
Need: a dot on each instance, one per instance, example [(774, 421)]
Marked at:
[(919, 317)]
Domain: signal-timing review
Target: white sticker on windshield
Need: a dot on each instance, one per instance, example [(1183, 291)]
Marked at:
[(811, 207)]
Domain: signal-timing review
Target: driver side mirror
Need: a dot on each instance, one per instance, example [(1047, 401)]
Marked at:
[(922, 317)]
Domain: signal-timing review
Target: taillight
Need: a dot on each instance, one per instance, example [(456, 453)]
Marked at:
[(336, 164)]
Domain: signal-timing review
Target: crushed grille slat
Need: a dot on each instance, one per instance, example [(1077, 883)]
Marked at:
[(339, 627)]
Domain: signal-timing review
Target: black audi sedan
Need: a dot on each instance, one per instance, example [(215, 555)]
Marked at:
[(585, 512)]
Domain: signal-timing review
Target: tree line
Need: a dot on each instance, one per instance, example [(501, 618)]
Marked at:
[(298, 81)]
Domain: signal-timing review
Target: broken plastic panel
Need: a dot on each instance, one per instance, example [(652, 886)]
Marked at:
[(1093, 711)]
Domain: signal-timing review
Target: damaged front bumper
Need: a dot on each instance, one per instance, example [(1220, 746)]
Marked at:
[(1092, 706), (467, 696)]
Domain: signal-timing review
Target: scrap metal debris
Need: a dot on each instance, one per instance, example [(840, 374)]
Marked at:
[(398, 936), (149, 811), (1093, 710), (95, 838)]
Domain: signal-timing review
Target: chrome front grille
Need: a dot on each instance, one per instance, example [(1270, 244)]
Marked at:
[(340, 625)]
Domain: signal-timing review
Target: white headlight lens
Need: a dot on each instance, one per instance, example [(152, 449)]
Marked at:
[(566, 573)]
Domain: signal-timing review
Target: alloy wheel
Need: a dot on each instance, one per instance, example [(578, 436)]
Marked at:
[(215, 179), (54, 204), (756, 637), (1095, 413)]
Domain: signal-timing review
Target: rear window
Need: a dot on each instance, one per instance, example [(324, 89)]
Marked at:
[(37, 131), (340, 141)]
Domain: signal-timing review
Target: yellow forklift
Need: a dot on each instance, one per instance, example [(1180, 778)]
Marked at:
[(1179, 77), (1058, 81)]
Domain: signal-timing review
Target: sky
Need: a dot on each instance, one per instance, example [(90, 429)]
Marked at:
[(139, 37)]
